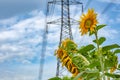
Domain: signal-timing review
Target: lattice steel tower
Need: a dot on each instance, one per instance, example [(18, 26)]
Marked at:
[(65, 21)]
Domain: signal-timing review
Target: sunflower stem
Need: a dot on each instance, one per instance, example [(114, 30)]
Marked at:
[(100, 55)]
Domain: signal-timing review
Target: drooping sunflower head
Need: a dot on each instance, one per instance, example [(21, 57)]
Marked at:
[(88, 22), (69, 45)]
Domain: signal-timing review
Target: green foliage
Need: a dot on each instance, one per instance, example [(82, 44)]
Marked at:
[(67, 78), (79, 75), (101, 40), (119, 66), (100, 26), (91, 76), (110, 47), (80, 61), (64, 78), (117, 51), (93, 61), (88, 75), (87, 48), (69, 46), (110, 59), (55, 78), (97, 28), (112, 75), (94, 64)]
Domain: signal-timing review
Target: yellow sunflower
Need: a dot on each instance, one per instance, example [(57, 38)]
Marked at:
[(88, 21)]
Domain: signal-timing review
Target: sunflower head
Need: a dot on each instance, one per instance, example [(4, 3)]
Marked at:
[(69, 45), (88, 21)]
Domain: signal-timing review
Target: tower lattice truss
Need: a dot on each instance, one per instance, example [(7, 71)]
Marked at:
[(65, 22)]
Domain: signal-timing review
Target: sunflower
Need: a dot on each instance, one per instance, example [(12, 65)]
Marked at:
[(88, 22), (69, 45)]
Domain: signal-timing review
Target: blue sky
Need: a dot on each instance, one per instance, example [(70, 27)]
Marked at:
[(21, 28)]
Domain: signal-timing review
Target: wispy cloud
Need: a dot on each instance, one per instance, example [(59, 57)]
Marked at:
[(19, 41), (20, 38), (18, 44), (27, 72), (27, 33)]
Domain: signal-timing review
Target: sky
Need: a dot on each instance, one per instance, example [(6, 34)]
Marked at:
[(22, 25)]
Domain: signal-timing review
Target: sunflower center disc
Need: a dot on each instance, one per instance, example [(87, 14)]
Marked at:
[(88, 23)]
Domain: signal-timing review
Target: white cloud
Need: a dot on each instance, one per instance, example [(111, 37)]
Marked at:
[(27, 72), (8, 34), (81, 40), (19, 42), (116, 20), (20, 73), (20, 38), (109, 33), (25, 35), (102, 19), (9, 21), (10, 53), (28, 33)]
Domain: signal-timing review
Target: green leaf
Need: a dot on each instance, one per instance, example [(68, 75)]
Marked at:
[(94, 64), (88, 74), (92, 71), (101, 40), (117, 51), (80, 61), (119, 66), (109, 47), (97, 28), (79, 75), (100, 26), (112, 75), (92, 74), (55, 78), (67, 78), (86, 48)]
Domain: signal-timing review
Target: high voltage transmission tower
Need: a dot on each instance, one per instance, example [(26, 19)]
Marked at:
[(65, 22)]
